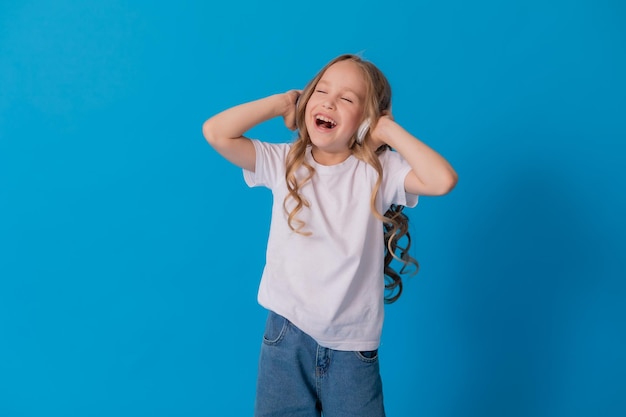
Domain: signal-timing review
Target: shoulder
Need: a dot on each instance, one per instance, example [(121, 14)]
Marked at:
[(395, 167), (269, 165), (281, 147), (271, 150), (390, 157)]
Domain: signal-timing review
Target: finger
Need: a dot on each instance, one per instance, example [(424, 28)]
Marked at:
[(295, 94)]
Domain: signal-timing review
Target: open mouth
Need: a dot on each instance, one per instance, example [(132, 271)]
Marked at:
[(325, 122)]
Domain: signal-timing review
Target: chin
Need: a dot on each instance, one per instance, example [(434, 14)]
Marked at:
[(321, 142)]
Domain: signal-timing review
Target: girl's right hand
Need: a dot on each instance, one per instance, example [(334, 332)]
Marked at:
[(289, 115)]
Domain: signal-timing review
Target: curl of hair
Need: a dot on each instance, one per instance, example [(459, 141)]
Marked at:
[(395, 223), (395, 228)]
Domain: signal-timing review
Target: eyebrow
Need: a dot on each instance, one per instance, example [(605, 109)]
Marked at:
[(322, 81)]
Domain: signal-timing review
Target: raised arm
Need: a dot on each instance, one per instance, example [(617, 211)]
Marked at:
[(431, 174), (225, 130)]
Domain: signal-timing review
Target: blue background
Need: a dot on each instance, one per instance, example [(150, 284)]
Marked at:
[(130, 253)]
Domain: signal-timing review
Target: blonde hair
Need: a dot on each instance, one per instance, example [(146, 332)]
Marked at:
[(378, 100)]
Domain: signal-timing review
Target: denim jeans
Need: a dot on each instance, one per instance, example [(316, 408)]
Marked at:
[(299, 378)]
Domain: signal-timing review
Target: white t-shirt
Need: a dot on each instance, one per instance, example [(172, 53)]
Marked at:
[(329, 284)]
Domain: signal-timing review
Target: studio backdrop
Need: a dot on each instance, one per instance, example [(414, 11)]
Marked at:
[(131, 252)]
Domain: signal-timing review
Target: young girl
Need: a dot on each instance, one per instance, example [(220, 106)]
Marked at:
[(323, 281)]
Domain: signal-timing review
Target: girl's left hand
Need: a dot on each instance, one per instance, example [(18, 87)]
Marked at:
[(378, 135)]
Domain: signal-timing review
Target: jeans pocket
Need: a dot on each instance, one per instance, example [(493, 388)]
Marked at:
[(367, 356), (275, 328)]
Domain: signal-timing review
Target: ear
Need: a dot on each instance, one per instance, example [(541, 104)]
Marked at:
[(362, 131)]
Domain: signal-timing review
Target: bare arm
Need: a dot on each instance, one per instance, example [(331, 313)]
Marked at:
[(431, 174), (225, 130)]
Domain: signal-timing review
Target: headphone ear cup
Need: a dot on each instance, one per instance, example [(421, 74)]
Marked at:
[(362, 131)]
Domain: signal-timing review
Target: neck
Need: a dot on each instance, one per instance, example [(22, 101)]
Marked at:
[(329, 158)]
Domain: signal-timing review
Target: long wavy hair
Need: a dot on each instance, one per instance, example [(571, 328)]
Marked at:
[(395, 223)]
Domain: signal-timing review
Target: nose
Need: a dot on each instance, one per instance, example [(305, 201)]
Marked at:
[(328, 104)]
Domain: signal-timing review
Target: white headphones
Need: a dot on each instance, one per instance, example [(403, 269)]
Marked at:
[(362, 131)]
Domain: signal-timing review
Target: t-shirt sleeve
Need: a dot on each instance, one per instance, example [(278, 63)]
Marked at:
[(269, 165), (395, 170)]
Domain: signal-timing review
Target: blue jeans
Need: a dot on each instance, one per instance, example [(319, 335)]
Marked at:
[(299, 378)]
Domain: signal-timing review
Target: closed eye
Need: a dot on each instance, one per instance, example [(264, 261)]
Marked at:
[(347, 99), (320, 91)]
